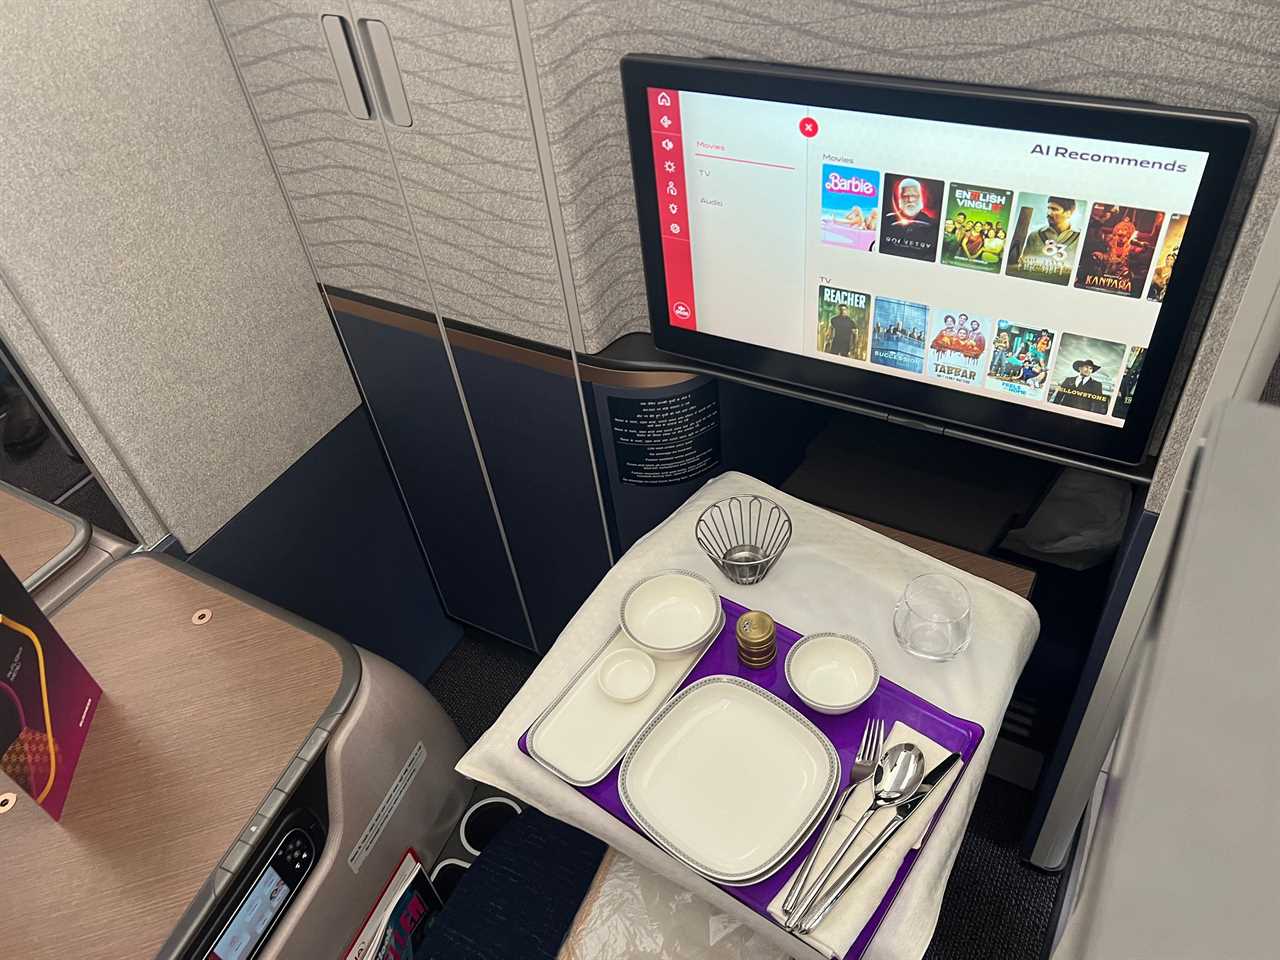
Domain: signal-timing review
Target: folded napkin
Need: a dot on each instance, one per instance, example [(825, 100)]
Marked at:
[(835, 935)]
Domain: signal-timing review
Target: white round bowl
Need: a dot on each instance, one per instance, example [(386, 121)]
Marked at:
[(832, 673), (626, 675), (670, 614)]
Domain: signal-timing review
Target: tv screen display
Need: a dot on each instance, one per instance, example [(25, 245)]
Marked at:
[(1018, 264)]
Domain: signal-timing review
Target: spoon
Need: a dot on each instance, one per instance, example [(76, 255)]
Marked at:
[(897, 778), (864, 766)]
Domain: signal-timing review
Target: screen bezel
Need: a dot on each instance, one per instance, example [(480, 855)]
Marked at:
[(1224, 137)]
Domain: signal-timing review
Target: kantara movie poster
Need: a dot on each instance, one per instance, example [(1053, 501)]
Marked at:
[(897, 334), (1128, 382), (842, 322), (909, 219), (1168, 256), (1019, 360), (957, 344), (850, 206), (976, 228), (1119, 243), (1046, 236), (1085, 372)]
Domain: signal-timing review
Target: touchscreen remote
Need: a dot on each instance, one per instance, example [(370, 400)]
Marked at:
[(266, 900)]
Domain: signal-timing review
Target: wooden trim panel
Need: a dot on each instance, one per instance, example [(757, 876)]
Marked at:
[(551, 360), (37, 539)]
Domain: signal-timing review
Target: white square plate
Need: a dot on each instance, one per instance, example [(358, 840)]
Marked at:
[(728, 778)]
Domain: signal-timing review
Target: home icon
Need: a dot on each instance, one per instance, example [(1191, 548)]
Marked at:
[(664, 100)]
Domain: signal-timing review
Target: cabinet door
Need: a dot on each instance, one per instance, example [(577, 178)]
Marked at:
[(463, 143), (526, 412), (468, 162), (343, 187), (409, 386), (335, 168)]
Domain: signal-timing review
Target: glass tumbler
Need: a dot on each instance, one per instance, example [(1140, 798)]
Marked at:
[(932, 620)]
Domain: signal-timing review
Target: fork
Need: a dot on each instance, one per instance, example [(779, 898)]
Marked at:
[(864, 765)]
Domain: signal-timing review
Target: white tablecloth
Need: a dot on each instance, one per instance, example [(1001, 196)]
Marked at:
[(835, 575)]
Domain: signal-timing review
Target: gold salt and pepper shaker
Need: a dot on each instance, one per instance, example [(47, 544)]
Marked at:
[(757, 639)]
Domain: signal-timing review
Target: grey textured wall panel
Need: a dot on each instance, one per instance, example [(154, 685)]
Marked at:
[(470, 167), (1252, 230), (335, 167), (78, 423), (147, 238), (1212, 56)]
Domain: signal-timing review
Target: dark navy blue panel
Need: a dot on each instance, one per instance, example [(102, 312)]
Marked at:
[(766, 434), (762, 434), (635, 510), (330, 540), (491, 915), (1142, 524), (529, 422), (410, 389)]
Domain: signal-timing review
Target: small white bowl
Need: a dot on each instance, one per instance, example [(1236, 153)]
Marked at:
[(670, 614), (832, 673), (626, 675)]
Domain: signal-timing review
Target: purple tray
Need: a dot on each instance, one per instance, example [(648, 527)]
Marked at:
[(889, 702)]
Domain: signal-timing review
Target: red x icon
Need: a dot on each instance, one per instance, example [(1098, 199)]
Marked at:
[(809, 127)]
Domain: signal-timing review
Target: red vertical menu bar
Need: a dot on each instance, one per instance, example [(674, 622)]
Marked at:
[(668, 166)]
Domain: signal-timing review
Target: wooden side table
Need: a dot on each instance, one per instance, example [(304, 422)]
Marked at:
[(207, 698)]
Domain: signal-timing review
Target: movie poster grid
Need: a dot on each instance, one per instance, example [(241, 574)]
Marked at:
[(909, 219), (1046, 236), (967, 349), (850, 206), (897, 334), (1168, 256), (1020, 360), (843, 326), (977, 224), (1119, 244), (957, 346), (1036, 238), (1128, 382), (1085, 373)]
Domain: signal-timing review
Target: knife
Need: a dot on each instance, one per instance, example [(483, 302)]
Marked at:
[(902, 813)]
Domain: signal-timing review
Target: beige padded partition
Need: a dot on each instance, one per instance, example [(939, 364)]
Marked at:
[(146, 240), (77, 421), (467, 162), (336, 168), (470, 168)]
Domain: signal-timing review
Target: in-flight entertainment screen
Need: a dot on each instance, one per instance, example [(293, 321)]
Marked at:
[(928, 249)]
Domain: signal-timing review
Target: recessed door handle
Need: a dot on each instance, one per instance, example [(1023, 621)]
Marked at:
[(387, 82), (338, 35)]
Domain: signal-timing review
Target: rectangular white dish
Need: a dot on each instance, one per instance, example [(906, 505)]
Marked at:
[(583, 734)]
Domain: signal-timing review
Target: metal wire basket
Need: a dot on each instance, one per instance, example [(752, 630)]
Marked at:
[(744, 536)]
